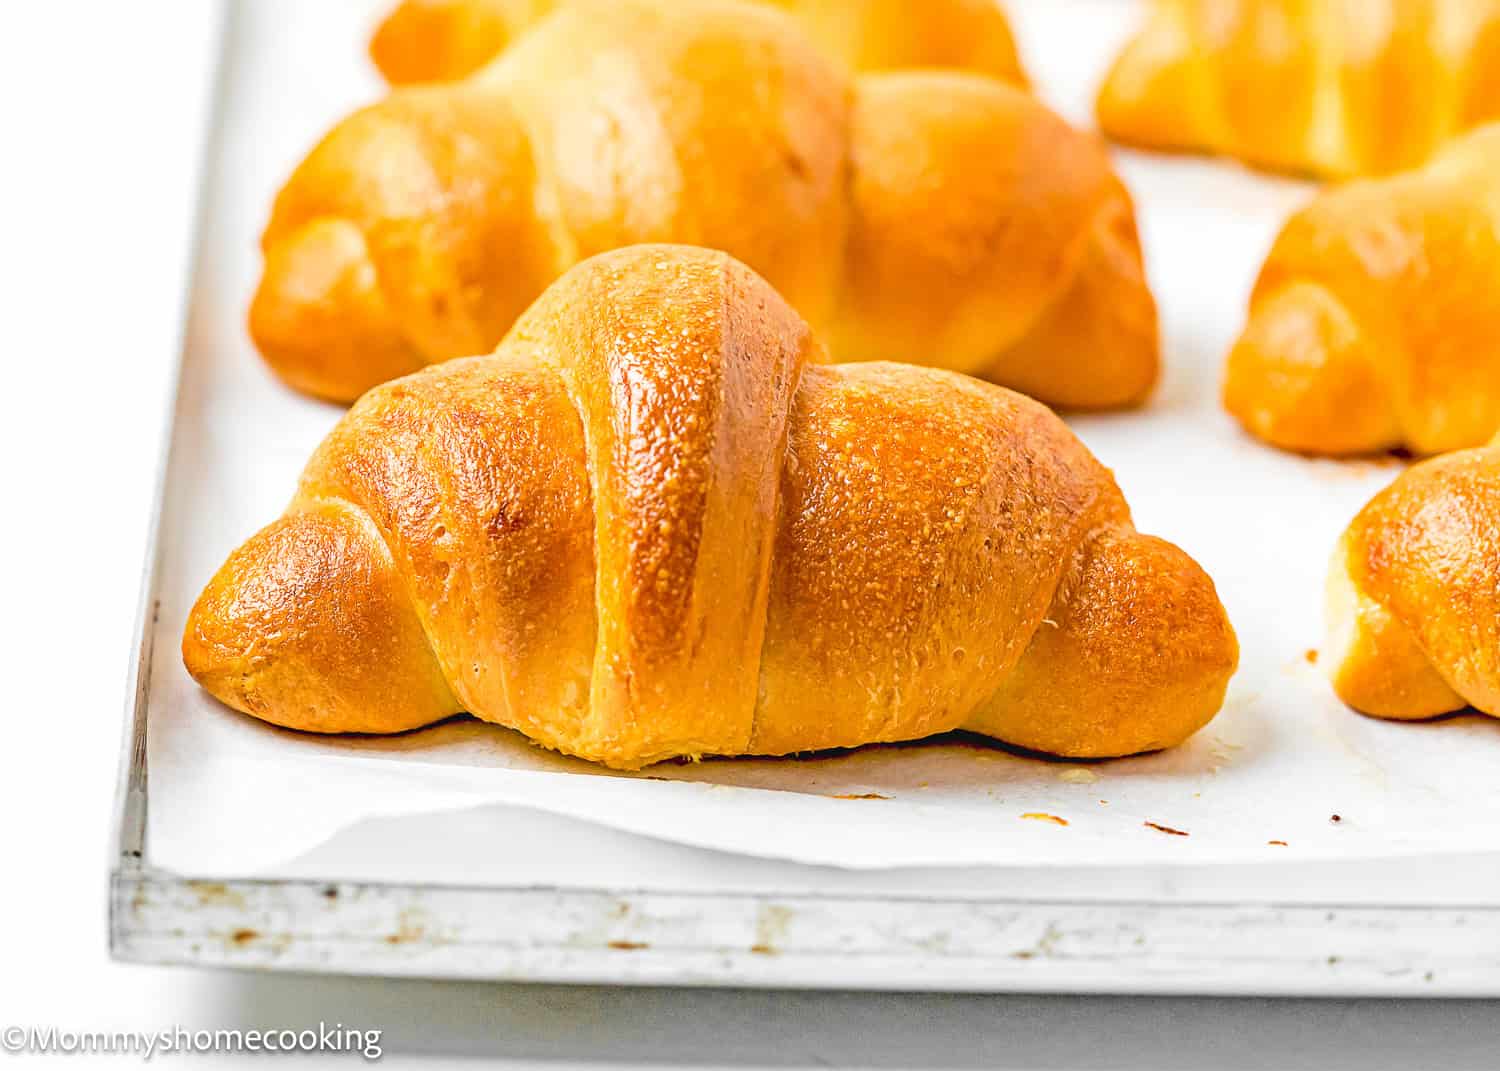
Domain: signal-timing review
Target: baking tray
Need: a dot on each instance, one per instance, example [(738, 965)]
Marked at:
[(586, 904)]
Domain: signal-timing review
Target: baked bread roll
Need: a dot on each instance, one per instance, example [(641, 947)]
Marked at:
[(653, 524), (943, 217), (1327, 87), (445, 40), (1414, 593), (1375, 322)]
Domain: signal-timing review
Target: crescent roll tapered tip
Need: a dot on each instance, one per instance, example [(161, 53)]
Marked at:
[(307, 625), (407, 236), (1109, 311), (320, 317), (1140, 653), (1375, 663), (1301, 377), (654, 523), (445, 40)]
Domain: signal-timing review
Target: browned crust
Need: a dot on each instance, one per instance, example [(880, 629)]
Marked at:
[(1375, 323), (938, 216), (655, 524), (1414, 594)]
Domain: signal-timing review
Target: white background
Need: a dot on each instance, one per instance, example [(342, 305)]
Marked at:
[(99, 105)]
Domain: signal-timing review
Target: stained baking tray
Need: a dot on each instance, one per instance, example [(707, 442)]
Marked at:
[(580, 903)]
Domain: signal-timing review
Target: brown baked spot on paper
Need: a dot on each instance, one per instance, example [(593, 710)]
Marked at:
[(1165, 829), (1042, 816)]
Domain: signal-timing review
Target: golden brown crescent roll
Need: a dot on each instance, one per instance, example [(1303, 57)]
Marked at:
[(1414, 593), (1375, 322), (1329, 87), (445, 40), (942, 217), (653, 525)]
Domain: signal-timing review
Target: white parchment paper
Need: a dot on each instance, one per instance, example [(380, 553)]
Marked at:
[(1263, 782)]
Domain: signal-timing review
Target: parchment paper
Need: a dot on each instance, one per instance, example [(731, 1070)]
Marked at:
[(230, 795)]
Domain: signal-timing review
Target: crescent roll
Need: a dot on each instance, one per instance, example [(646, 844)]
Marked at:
[(446, 40), (940, 217), (1326, 87), (1414, 593), (1375, 323), (653, 524)]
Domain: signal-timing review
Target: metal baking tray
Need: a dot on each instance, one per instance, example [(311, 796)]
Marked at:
[(584, 904)]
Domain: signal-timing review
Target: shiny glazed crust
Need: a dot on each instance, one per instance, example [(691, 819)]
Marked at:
[(654, 524), (1375, 322), (940, 217), (1414, 593), (1328, 87)]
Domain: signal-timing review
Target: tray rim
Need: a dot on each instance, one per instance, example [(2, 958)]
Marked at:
[(644, 936)]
